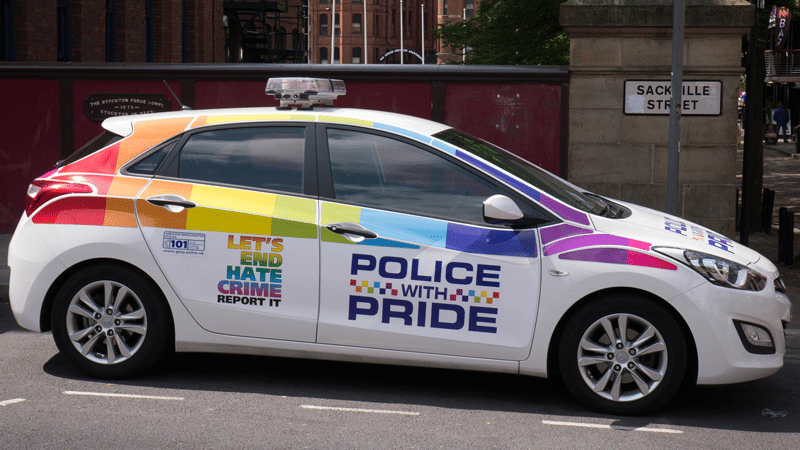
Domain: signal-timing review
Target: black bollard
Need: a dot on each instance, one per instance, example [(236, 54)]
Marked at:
[(786, 236), (767, 206)]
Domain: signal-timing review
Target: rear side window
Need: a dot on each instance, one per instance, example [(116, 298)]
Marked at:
[(257, 157)]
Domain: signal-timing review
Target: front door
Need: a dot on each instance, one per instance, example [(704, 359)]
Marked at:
[(407, 260)]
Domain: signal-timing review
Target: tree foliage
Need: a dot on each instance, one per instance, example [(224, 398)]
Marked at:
[(515, 32)]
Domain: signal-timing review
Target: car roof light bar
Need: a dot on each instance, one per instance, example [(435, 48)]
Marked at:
[(304, 93)]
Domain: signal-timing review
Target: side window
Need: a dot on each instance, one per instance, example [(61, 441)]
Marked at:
[(150, 164), (384, 173), (259, 157)]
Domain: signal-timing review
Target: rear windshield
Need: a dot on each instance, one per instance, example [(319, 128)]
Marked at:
[(105, 139)]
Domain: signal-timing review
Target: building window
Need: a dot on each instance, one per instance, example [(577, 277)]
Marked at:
[(377, 55), (394, 21), (323, 25), (336, 59), (7, 31), (185, 34), (323, 55), (356, 55), (62, 30), (469, 5), (110, 32), (356, 1), (148, 31), (410, 26), (376, 28), (280, 39), (336, 31), (444, 8), (296, 42), (356, 23)]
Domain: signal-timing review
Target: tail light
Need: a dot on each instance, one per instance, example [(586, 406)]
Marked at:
[(42, 191)]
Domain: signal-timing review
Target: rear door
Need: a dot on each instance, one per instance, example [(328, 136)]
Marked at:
[(408, 262), (231, 220)]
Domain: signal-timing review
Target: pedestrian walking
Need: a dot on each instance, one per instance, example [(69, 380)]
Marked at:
[(781, 118)]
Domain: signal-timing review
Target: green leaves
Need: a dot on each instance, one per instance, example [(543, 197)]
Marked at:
[(510, 32)]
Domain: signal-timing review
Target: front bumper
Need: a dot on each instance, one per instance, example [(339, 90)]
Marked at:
[(712, 313)]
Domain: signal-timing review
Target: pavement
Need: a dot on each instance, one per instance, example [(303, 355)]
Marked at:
[(5, 272), (781, 174)]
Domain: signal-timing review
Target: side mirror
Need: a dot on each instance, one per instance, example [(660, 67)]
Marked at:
[(500, 209)]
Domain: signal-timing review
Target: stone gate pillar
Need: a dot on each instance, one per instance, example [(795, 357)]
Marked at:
[(624, 156)]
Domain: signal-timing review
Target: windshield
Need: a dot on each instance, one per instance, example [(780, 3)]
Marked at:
[(526, 171)]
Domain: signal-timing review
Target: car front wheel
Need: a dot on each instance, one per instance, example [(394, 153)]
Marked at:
[(624, 354), (110, 322)]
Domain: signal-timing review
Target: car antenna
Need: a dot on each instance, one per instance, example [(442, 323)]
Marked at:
[(183, 107)]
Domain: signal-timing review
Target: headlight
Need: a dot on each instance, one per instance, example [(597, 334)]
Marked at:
[(718, 270)]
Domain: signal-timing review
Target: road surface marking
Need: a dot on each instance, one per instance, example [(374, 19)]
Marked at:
[(11, 402), (612, 427), (104, 394), (375, 411)]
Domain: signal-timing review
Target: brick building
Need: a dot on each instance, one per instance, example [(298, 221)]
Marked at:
[(206, 31)]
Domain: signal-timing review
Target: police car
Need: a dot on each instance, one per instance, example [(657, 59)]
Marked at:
[(312, 231)]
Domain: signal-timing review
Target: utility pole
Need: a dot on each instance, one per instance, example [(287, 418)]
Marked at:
[(402, 32), (678, 21)]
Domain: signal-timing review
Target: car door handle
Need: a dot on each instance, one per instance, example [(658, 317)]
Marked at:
[(353, 229), (174, 203)]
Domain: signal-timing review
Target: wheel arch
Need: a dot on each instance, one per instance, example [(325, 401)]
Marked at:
[(47, 306), (553, 369)]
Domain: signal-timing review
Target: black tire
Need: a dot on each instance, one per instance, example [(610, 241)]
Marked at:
[(115, 338), (637, 373)]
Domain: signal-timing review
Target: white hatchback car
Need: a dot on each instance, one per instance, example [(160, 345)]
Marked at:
[(354, 235)]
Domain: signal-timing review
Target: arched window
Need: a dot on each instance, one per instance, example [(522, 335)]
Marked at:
[(336, 31), (323, 24), (323, 55)]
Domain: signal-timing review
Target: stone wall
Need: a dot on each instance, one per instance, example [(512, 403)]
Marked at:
[(625, 156)]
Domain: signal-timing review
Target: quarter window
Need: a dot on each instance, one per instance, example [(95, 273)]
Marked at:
[(385, 173), (150, 164), (258, 157)]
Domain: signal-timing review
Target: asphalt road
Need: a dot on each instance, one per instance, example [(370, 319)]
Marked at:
[(223, 401)]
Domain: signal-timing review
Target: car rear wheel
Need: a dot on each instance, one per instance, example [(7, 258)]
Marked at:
[(110, 322), (623, 355)]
